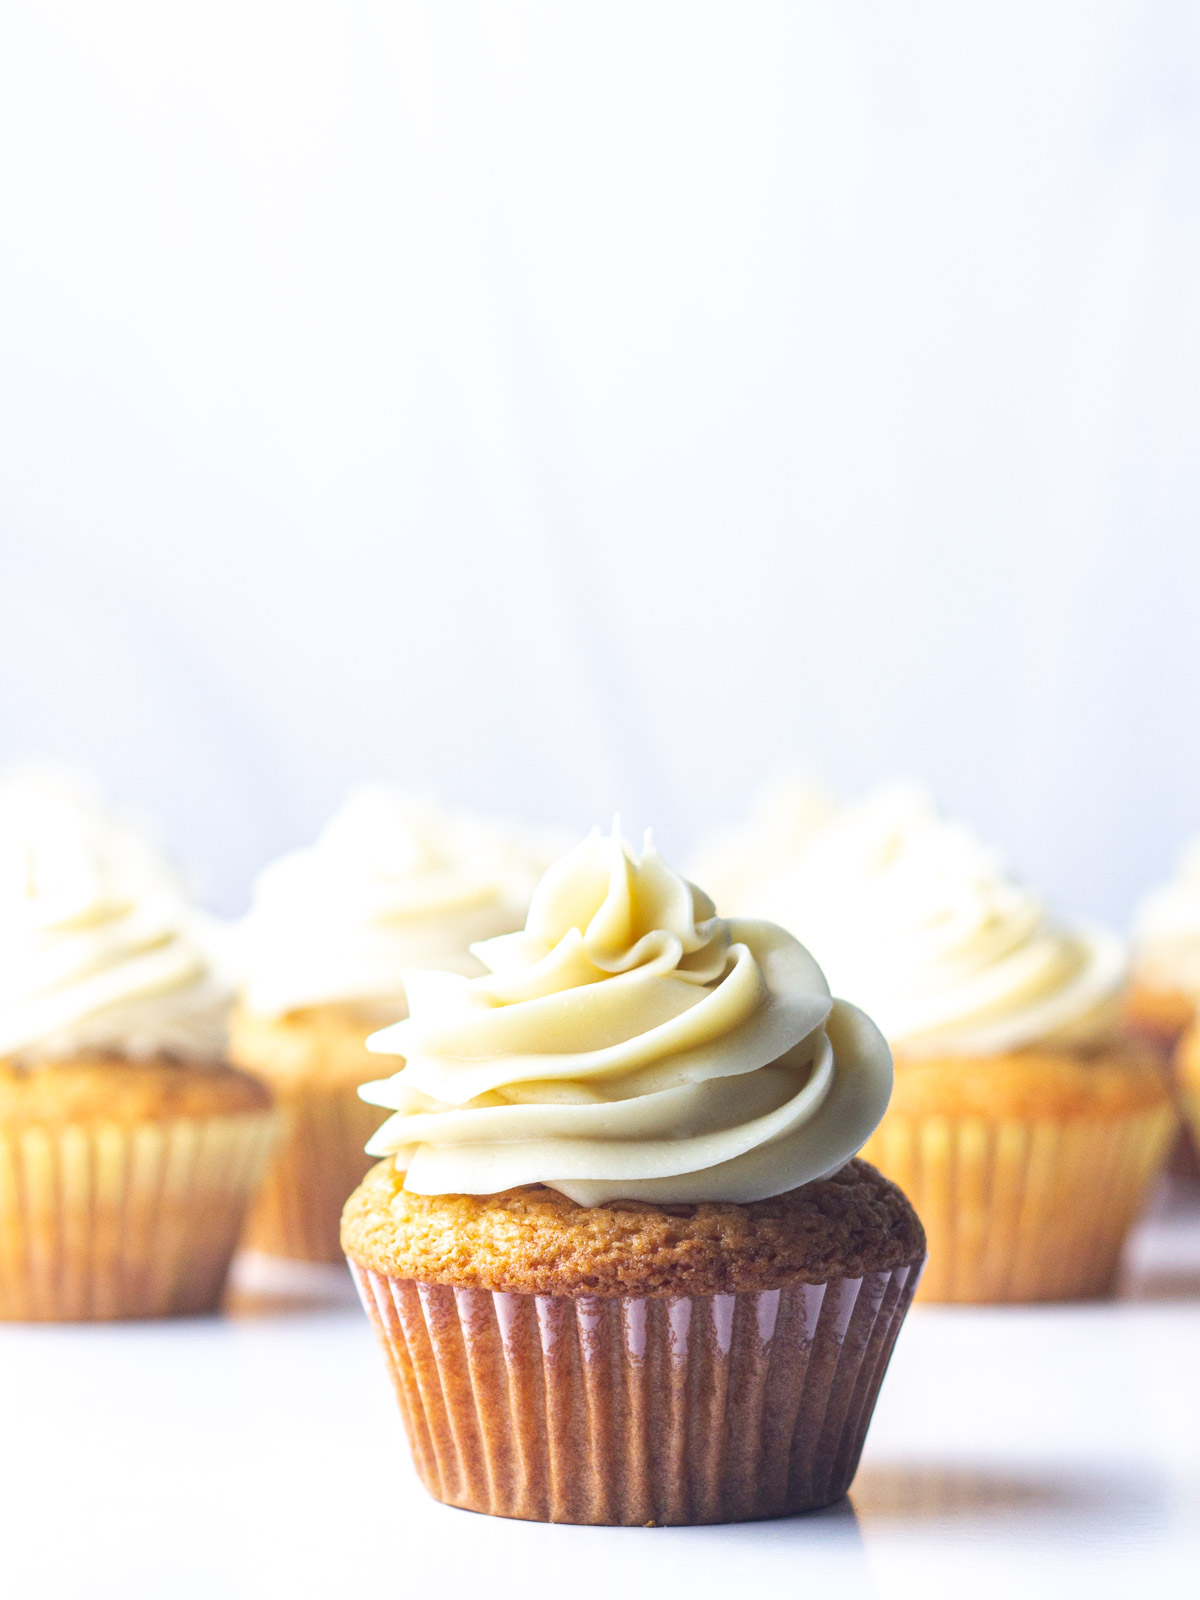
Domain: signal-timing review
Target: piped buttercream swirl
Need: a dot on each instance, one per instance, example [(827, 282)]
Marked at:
[(629, 1043), (917, 920), (100, 948), (393, 882)]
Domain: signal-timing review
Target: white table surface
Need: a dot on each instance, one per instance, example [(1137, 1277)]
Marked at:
[(1018, 1451)]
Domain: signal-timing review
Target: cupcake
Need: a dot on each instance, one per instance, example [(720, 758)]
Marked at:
[(1186, 1085), (1024, 1125), (392, 883), (621, 1261), (736, 864), (1164, 983), (129, 1148)]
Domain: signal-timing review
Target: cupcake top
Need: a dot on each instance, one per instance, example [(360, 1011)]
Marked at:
[(920, 922), (392, 883), (537, 1241), (1166, 931), (735, 863), (100, 949), (629, 1044)]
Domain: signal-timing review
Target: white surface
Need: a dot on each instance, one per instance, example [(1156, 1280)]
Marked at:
[(584, 407), (1047, 1451)]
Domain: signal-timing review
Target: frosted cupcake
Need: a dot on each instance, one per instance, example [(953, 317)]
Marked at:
[(1024, 1127), (392, 883), (1164, 988), (621, 1261), (739, 864), (128, 1148)]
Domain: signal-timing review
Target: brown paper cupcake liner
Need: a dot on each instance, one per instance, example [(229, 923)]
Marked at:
[(102, 1220), (1020, 1211), (318, 1164), (695, 1409)]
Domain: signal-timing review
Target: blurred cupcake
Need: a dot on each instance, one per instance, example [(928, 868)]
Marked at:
[(1024, 1126), (393, 882), (1187, 1089), (736, 864), (1164, 986), (622, 1264), (128, 1148)]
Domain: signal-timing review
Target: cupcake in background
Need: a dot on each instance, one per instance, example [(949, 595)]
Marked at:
[(129, 1148), (621, 1261), (1025, 1127), (393, 882), (1164, 992), (738, 864), (1164, 982)]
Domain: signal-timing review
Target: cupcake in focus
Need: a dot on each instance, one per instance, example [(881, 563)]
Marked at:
[(129, 1148), (1025, 1127), (622, 1263), (393, 882)]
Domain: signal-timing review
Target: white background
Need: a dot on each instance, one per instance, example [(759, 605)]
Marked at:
[(570, 406)]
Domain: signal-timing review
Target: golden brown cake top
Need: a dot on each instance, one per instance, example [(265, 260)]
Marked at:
[(1109, 1080), (103, 1088), (535, 1240)]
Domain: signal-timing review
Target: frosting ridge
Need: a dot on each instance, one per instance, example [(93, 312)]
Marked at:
[(629, 1043)]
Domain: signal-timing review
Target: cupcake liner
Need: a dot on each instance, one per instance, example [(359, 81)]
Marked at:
[(317, 1166), (1019, 1211), (102, 1220), (627, 1411), (1184, 1155)]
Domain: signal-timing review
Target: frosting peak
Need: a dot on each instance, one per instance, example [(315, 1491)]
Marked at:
[(99, 947), (629, 1043)]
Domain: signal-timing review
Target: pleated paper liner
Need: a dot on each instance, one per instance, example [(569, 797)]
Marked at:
[(101, 1220), (319, 1163), (1022, 1210), (698, 1409)]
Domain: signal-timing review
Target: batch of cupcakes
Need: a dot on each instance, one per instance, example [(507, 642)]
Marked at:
[(635, 1205)]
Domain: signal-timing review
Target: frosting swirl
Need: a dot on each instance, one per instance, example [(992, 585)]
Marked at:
[(1166, 931), (919, 921), (392, 882), (630, 1044), (99, 947)]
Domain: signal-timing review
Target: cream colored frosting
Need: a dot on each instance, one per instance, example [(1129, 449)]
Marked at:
[(393, 882), (917, 921), (99, 947), (733, 863), (629, 1044), (1166, 931)]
